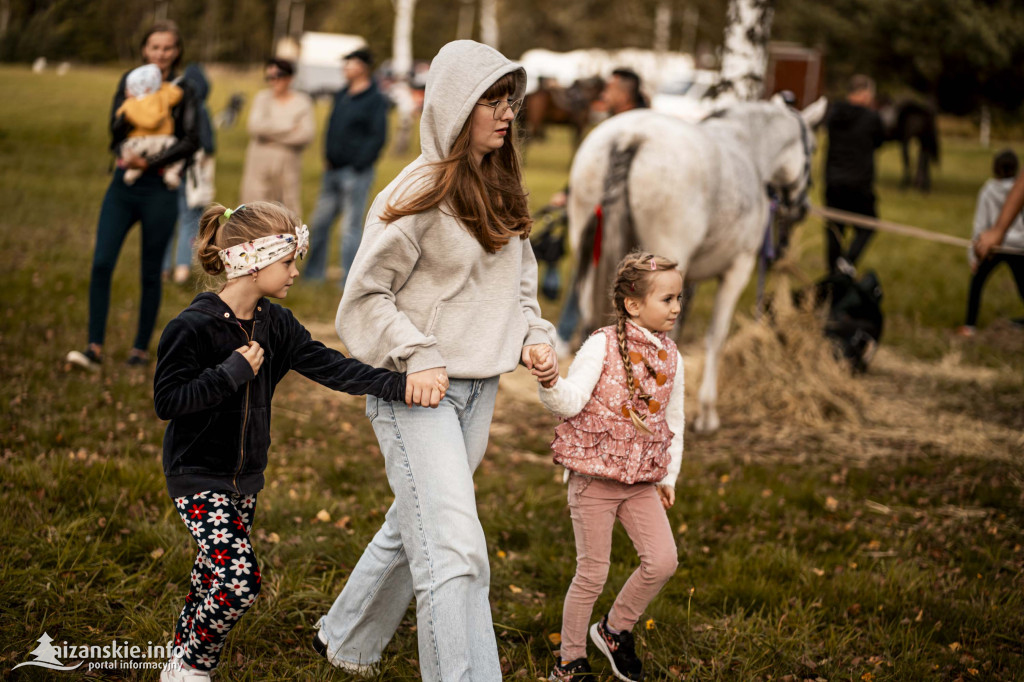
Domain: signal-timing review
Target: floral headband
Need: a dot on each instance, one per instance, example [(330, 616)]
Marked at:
[(252, 256)]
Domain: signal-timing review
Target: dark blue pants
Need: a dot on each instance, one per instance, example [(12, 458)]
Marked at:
[(149, 202), (985, 268)]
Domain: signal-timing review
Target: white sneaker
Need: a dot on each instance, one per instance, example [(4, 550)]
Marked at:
[(177, 670), (361, 669)]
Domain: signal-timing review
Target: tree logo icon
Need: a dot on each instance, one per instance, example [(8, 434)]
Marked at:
[(46, 656)]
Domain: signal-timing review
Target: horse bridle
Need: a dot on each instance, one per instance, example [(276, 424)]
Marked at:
[(785, 192)]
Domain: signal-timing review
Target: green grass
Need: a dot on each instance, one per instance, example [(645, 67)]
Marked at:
[(796, 561)]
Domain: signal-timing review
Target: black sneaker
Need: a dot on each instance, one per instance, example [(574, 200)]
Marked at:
[(360, 669), (86, 359), (619, 650), (573, 670), (137, 359)]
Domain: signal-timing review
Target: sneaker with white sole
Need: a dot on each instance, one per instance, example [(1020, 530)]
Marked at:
[(87, 359), (177, 670), (578, 669), (362, 669), (619, 650)]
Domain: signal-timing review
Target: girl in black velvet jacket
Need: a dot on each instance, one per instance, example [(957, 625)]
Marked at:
[(217, 366)]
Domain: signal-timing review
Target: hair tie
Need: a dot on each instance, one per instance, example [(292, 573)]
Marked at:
[(228, 212)]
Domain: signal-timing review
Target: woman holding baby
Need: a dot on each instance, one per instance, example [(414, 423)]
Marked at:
[(148, 200)]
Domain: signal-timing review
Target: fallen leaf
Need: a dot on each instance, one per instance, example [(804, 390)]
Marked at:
[(555, 638), (514, 589), (323, 516)]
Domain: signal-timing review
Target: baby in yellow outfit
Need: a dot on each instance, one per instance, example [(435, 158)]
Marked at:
[(147, 106)]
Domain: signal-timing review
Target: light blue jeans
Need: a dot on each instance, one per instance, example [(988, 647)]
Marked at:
[(188, 228), (431, 545), (342, 190)]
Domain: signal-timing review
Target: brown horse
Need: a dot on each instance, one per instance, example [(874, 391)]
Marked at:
[(552, 104)]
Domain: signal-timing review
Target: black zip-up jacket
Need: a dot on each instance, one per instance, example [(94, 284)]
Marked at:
[(219, 430), (186, 127)]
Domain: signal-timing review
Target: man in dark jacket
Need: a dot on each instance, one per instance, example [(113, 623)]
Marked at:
[(355, 136), (854, 133)]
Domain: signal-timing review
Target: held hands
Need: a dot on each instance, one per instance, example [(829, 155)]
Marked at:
[(667, 494), (426, 388), (985, 242), (253, 354), (541, 360)]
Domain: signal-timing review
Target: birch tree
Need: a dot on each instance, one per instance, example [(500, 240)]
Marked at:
[(489, 23), (401, 66), (745, 51)]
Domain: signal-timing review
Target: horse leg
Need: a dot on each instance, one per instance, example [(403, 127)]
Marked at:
[(923, 180), (730, 287), (905, 149)]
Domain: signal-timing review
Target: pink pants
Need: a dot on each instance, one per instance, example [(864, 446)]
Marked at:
[(594, 504)]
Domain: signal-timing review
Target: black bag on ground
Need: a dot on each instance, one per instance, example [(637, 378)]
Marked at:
[(855, 318)]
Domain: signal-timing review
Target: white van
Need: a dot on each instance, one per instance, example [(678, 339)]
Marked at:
[(318, 67)]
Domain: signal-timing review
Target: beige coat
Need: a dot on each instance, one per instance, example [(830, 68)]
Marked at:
[(278, 133)]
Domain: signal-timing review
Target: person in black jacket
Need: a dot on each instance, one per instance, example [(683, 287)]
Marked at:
[(147, 201), (854, 133), (218, 363), (356, 133)]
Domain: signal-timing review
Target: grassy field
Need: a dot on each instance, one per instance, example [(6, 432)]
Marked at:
[(835, 529)]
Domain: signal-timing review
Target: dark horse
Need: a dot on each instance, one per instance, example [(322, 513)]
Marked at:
[(551, 103), (909, 120)]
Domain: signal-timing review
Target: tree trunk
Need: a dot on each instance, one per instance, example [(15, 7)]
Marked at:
[(467, 13), (662, 25), (284, 9), (5, 16), (745, 52), (401, 66), (489, 22)]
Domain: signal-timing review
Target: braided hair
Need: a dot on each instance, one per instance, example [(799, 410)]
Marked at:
[(633, 280)]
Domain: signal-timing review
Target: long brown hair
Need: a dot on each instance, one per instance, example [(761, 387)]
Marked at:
[(488, 199)]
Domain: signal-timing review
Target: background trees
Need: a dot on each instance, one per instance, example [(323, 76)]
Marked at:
[(963, 53)]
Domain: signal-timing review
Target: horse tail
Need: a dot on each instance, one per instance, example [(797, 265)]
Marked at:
[(608, 235)]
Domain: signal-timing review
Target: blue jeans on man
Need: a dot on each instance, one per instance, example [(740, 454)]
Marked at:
[(342, 191)]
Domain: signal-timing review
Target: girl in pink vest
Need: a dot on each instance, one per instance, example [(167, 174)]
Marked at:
[(621, 444)]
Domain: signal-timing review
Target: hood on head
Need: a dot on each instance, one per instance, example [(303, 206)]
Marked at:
[(459, 75)]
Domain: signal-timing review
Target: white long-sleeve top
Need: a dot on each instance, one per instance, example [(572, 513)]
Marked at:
[(569, 394)]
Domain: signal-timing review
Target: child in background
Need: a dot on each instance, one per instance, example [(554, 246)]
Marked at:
[(990, 202), (147, 106), (621, 444), (218, 364)]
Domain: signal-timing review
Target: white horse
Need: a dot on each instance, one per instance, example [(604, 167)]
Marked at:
[(693, 192)]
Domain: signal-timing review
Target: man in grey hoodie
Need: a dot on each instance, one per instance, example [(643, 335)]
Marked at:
[(991, 199), (444, 287)]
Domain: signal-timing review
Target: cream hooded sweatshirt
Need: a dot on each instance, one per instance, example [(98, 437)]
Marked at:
[(423, 292)]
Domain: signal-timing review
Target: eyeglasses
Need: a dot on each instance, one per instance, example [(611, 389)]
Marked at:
[(500, 106), (271, 77)]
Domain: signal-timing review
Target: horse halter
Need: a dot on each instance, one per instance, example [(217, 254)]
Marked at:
[(785, 192)]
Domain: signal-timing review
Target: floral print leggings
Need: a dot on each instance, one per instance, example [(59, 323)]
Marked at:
[(225, 577)]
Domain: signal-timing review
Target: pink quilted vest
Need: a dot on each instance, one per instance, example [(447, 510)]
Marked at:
[(601, 441)]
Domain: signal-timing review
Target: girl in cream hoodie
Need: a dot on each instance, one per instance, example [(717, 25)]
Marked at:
[(444, 288)]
